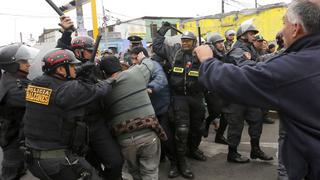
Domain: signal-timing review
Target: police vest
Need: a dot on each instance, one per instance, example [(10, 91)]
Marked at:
[(184, 74), (12, 108), (47, 126)]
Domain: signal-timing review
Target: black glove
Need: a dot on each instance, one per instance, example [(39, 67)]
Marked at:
[(85, 67), (164, 28)]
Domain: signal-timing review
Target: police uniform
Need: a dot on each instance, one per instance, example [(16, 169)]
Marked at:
[(12, 107), (103, 147), (236, 113), (54, 125), (134, 41), (187, 98), (215, 105)]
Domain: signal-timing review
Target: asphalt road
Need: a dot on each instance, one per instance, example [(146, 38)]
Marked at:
[(217, 168)]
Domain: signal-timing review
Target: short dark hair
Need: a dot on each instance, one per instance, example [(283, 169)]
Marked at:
[(110, 65), (137, 50), (271, 46)]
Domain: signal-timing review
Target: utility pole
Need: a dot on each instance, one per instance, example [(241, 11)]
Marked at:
[(256, 3), (81, 30), (94, 19), (21, 37), (222, 6), (104, 24)]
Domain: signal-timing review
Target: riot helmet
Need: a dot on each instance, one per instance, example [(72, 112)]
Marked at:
[(229, 32), (11, 54), (80, 44), (83, 42), (214, 38), (58, 57), (188, 35), (244, 28)]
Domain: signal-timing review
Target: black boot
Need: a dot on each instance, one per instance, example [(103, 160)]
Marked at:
[(235, 157), (221, 140), (267, 120), (257, 153), (184, 168), (197, 155), (173, 171)]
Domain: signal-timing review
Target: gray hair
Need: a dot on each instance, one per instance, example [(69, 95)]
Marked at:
[(306, 13)]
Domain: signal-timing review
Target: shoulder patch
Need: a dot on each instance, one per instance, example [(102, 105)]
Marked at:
[(39, 95)]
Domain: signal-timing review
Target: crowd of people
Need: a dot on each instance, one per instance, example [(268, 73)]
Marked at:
[(91, 118)]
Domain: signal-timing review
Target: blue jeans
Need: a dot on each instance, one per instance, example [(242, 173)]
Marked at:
[(142, 154)]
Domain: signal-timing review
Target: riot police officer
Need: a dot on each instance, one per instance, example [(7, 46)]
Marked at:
[(243, 53), (14, 61), (214, 101), (229, 34), (56, 132), (187, 95), (103, 146)]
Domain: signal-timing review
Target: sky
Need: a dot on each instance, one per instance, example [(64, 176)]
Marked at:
[(30, 17)]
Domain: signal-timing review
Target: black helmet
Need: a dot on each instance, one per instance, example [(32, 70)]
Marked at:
[(83, 42), (214, 38), (10, 54), (244, 28), (188, 35), (57, 57)]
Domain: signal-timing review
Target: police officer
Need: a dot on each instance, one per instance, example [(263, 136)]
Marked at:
[(134, 42), (104, 148), (243, 53), (54, 125), (14, 61), (214, 101), (229, 35), (187, 95)]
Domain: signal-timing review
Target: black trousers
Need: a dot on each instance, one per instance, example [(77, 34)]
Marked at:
[(215, 105), (71, 167), (105, 150), (189, 112), (236, 115), (168, 146), (13, 165)]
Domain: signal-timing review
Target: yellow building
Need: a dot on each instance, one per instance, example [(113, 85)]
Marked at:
[(268, 19)]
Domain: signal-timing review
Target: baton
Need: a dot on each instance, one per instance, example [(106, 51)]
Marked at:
[(55, 7), (95, 48)]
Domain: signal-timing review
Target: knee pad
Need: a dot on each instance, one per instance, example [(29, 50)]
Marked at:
[(182, 133)]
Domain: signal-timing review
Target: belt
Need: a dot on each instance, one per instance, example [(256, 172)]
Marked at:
[(48, 154)]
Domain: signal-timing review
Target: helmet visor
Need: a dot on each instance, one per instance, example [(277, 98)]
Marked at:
[(26, 53)]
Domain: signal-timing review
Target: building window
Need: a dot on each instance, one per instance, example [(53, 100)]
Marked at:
[(153, 29)]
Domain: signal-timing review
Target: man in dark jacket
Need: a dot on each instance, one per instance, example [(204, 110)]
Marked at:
[(186, 93), (54, 125), (288, 83), (14, 61), (104, 148)]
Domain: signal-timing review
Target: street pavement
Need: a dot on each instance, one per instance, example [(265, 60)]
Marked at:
[(217, 168)]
